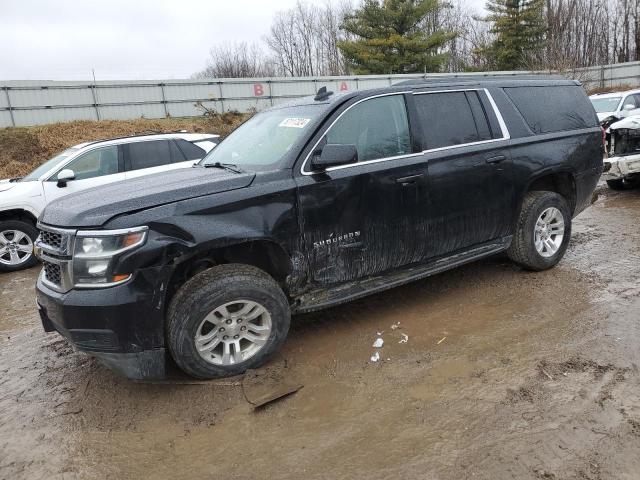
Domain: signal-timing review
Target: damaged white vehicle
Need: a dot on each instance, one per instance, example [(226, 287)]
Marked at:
[(623, 162)]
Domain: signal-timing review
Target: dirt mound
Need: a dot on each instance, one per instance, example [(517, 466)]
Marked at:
[(22, 149)]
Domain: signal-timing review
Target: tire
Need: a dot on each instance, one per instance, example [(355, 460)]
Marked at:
[(10, 251), (199, 303), (523, 249), (617, 184)]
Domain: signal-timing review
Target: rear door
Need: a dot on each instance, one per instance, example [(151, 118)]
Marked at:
[(153, 156), (362, 219), (471, 192)]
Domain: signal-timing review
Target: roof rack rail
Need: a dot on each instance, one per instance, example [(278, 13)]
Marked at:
[(141, 133)]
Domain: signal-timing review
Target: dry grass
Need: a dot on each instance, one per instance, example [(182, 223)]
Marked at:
[(23, 149), (618, 88)]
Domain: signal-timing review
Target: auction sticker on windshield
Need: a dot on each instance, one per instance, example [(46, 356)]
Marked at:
[(294, 122)]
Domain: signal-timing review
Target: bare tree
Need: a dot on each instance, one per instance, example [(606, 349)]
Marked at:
[(237, 60), (473, 37), (303, 40)]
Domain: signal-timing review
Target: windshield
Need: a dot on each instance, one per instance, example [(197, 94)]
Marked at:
[(261, 142), (49, 164), (603, 105)]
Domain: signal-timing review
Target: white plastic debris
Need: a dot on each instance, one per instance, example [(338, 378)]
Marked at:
[(395, 325), (378, 343), (404, 339), (375, 357)]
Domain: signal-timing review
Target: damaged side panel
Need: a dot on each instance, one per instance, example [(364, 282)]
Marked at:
[(262, 218)]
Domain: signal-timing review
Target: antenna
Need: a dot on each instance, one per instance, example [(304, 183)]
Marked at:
[(322, 94)]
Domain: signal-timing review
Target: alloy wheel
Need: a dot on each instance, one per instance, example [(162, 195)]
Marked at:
[(234, 332), (16, 247), (549, 232)]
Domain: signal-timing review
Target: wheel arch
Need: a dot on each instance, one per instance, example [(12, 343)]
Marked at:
[(265, 254), (560, 182), (19, 214)]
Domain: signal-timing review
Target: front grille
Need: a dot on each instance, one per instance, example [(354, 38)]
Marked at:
[(51, 239), (54, 248), (52, 273)]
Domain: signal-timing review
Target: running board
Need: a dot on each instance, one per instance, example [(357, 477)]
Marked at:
[(321, 298)]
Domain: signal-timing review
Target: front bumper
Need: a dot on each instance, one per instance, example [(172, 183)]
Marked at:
[(123, 326), (616, 168)]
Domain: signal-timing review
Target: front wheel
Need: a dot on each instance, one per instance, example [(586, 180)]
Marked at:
[(543, 231), (16, 245), (226, 320)]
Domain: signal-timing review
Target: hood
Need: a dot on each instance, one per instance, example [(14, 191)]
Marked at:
[(15, 194), (632, 123), (7, 184), (95, 206)]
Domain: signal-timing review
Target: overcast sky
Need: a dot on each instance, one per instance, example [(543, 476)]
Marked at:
[(125, 39)]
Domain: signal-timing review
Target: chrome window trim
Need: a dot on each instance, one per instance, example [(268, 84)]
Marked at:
[(305, 172), (503, 127)]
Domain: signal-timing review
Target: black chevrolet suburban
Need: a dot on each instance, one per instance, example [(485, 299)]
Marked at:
[(310, 204)]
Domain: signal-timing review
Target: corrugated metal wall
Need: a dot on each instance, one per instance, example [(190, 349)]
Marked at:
[(25, 103)]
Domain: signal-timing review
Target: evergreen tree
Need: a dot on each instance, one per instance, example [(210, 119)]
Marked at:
[(520, 28), (394, 36)]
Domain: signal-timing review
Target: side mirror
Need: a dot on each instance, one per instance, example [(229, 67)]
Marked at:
[(65, 176), (628, 107), (334, 155)]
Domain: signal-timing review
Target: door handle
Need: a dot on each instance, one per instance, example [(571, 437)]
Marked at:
[(496, 159), (411, 179)]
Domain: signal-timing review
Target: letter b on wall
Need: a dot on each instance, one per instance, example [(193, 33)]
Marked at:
[(258, 89)]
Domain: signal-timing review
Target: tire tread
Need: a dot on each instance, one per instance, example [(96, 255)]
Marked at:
[(223, 278), (522, 251)]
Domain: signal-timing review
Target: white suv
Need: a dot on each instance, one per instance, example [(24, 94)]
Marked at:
[(620, 104), (83, 166)]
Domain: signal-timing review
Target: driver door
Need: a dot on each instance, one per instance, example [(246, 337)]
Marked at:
[(365, 218), (96, 167)]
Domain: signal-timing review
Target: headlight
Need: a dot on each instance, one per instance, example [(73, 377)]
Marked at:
[(96, 251)]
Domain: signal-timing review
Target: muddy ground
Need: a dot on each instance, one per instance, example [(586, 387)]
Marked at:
[(506, 374)]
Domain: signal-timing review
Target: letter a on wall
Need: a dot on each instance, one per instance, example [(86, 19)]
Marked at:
[(344, 86)]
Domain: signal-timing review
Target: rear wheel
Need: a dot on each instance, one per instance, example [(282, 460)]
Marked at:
[(226, 320), (543, 231), (617, 184), (16, 245)]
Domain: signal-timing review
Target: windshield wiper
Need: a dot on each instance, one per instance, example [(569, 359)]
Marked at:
[(225, 166)]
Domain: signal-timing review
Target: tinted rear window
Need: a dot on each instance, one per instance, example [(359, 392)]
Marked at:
[(452, 118), (190, 151), (149, 154), (553, 109)]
